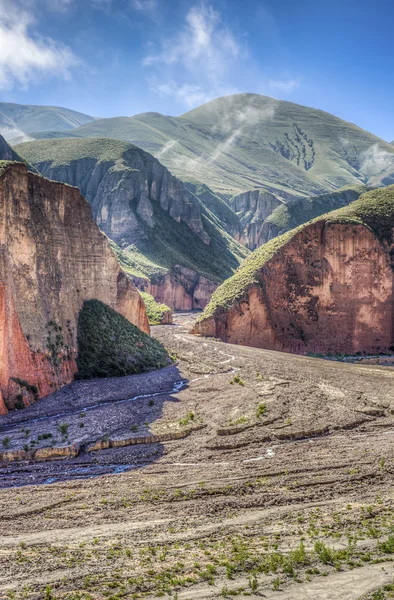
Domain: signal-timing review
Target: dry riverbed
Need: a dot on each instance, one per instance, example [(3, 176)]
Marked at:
[(265, 475)]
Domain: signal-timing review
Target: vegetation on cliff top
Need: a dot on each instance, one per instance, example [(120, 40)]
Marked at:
[(110, 346), (374, 210), (63, 151), (154, 310)]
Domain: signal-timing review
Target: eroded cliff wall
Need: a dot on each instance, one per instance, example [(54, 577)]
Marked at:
[(253, 208), (52, 258), (328, 290)]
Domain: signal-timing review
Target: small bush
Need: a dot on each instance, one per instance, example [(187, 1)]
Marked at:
[(261, 410), (63, 428), (154, 310), (6, 442), (188, 419)]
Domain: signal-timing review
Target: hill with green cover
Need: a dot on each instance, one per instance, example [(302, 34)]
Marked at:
[(110, 346), (374, 210), (246, 141), (156, 225), (19, 121), (8, 154)]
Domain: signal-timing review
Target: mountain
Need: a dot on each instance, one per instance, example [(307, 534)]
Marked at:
[(18, 121), (53, 258), (165, 238), (264, 216), (237, 143), (324, 287)]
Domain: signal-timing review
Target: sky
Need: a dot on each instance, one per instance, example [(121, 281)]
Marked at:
[(123, 57)]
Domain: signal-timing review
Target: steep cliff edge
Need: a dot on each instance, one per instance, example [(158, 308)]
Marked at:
[(52, 258), (158, 226), (324, 287)]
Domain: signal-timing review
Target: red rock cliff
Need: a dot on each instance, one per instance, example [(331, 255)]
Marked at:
[(329, 289), (52, 258)]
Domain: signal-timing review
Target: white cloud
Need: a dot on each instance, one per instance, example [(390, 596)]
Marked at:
[(286, 86), (196, 62), (25, 56), (188, 94), (144, 5), (375, 160)]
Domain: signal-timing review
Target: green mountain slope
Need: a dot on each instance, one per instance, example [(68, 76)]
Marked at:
[(18, 121), (237, 143), (156, 225), (8, 154)]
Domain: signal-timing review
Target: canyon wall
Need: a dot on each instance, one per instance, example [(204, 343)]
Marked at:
[(253, 208), (181, 289), (328, 289), (52, 258)]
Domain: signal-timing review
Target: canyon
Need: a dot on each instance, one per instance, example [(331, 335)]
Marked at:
[(161, 232), (52, 259)]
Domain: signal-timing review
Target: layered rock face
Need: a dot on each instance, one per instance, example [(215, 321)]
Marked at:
[(52, 258), (125, 185), (324, 288), (253, 208), (181, 289)]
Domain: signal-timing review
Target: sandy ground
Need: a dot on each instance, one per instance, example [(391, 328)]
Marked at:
[(283, 489)]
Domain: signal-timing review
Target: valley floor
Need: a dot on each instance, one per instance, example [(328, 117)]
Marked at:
[(266, 475)]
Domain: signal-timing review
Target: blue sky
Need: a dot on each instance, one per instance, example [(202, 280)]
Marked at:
[(122, 57)]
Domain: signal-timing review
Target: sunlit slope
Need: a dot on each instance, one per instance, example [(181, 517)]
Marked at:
[(240, 142)]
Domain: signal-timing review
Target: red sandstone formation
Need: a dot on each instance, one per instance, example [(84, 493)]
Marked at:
[(52, 258), (326, 288)]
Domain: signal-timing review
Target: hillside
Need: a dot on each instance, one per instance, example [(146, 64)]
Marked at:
[(237, 143), (8, 154), (18, 121), (326, 286), (297, 211), (164, 237)]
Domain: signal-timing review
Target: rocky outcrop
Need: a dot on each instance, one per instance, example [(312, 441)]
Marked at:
[(182, 288), (326, 287), (253, 208), (52, 258), (127, 187)]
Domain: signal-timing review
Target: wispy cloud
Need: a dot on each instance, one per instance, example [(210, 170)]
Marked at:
[(375, 160), (148, 6), (24, 56), (287, 86), (198, 60)]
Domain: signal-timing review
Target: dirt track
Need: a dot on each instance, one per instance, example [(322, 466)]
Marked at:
[(285, 452)]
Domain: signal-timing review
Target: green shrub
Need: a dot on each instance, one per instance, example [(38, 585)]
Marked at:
[(110, 346), (154, 310)]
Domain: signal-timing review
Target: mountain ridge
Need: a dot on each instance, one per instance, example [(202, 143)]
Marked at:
[(237, 143)]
